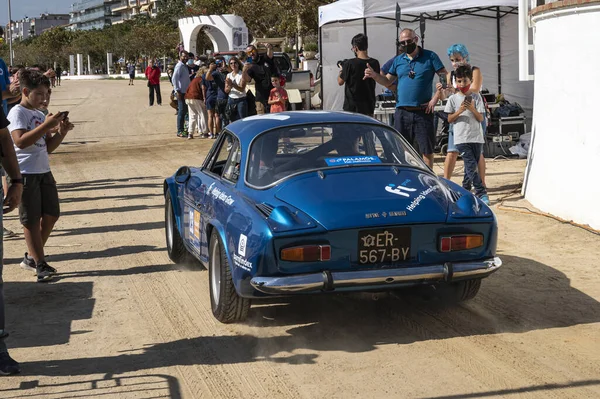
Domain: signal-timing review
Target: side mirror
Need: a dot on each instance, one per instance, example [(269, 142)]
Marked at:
[(182, 175)]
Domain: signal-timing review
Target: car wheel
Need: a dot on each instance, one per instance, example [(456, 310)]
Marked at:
[(459, 291), (227, 306), (175, 247)]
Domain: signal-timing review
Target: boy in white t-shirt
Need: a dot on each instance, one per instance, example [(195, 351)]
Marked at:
[(465, 112), (33, 139)]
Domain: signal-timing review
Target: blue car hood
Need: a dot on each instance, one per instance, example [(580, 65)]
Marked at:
[(368, 196)]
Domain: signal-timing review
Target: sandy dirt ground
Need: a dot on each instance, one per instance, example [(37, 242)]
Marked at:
[(122, 321)]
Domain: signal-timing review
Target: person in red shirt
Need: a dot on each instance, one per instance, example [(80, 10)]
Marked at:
[(278, 98), (153, 74)]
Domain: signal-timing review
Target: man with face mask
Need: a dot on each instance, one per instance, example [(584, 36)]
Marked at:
[(181, 82), (414, 70), (260, 68), (359, 94)]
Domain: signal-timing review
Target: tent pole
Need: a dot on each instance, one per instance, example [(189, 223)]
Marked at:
[(320, 65), (499, 49), (365, 26)]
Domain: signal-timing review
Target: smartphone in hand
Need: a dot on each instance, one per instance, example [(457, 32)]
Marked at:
[(443, 81), (468, 99)]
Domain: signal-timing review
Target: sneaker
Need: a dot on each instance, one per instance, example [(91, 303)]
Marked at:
[(190, 136), (485, 199), (210, 136), (8, 365), (28, 263), (45, 272), (6, 233)]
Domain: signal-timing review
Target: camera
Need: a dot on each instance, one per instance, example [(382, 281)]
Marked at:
[(341, 63), (412, 74)]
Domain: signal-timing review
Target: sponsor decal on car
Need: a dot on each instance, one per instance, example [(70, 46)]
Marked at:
[(353, 160), (219, 195), (242, 245), (242, 262), (399, 190), (384, 214), (415, 203)]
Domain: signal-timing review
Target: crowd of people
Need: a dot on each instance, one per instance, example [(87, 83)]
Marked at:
[(213, 92), (410, 75)]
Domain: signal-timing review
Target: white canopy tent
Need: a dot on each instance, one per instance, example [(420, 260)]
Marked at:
[(489, 29)]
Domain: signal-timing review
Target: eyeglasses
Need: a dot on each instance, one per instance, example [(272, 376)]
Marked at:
[(406, 42), (233, 63)]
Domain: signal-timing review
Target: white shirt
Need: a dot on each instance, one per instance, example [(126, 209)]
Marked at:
[(234, 93), (33, 159), (467, 129)]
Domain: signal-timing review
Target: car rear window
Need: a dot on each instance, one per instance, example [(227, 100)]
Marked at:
[(280, 153)]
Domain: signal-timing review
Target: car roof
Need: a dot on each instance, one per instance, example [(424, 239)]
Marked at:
[(248, 128)]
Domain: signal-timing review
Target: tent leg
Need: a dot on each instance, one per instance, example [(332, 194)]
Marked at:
[(365, 26), (320, 67), (498, 43)]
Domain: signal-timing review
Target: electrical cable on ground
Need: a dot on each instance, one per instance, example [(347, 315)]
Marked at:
[(527, 211)]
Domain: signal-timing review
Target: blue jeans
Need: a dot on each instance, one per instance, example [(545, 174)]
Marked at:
[(470, 153), (240, 106), (182, 110)]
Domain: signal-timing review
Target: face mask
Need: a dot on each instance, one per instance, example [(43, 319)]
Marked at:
[(411, 47), (465, 89), (190, 62)]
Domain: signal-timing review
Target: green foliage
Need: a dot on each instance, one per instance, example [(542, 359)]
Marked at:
[(311, 47)]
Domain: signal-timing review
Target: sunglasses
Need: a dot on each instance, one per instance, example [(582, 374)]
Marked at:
[(406, 42)]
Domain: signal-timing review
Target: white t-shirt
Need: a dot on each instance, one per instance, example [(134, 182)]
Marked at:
[(467, 129), (238, 81), (33, 159)]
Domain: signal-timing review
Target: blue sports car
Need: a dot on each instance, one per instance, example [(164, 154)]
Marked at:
[(317, 202)]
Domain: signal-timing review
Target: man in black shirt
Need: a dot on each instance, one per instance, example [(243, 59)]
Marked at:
[(359, 93), (260, 68)]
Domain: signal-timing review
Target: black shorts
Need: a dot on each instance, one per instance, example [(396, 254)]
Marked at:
[(40, 197), (211, 103), (361, 108), (417, 128)]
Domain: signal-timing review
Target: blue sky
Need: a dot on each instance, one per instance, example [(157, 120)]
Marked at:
[(33, 8)]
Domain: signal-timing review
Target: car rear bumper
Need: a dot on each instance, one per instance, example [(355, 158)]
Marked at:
[(329, 281)]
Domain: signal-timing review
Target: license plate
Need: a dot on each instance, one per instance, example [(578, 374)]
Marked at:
[(387, 245)]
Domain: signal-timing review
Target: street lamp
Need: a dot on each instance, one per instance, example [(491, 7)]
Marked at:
[(10, 34)]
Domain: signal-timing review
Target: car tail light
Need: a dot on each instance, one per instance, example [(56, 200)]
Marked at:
[(307, 253), (460, 242)]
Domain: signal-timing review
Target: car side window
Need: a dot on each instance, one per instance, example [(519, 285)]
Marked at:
[(232, 167), (226, 159), (221, 156)]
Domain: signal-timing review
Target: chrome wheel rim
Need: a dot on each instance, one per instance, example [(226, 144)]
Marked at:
[(170, 226), (215, 278)]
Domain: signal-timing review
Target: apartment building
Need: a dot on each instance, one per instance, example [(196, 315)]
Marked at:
[(35, 26), (124, 10), (92, 14)]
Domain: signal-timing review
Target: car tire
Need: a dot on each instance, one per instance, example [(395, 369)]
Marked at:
[(227, 306), (460, 291), (175, 247)]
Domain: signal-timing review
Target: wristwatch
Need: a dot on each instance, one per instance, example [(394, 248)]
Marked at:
[(16, 181)]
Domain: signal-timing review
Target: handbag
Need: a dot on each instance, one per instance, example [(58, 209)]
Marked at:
[(173, 103)]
